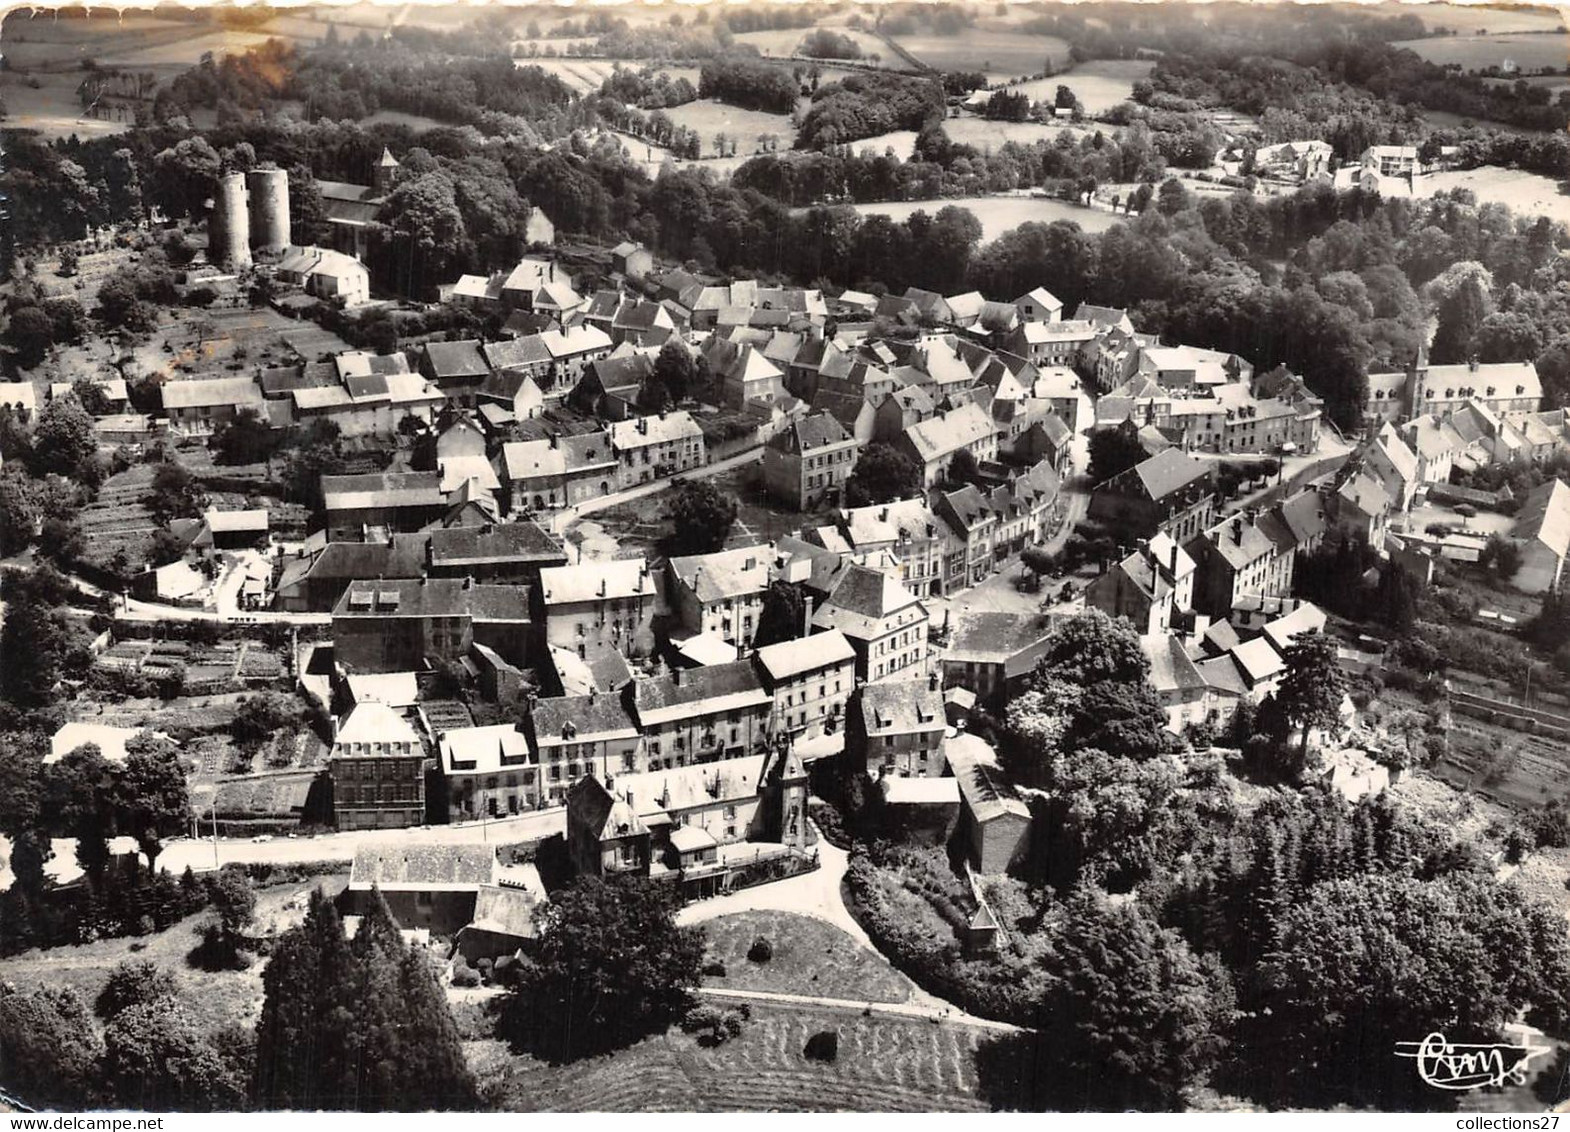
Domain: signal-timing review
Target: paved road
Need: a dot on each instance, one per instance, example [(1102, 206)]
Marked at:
[(199, 855), (135, 609), (818, 894), (887, 1009)]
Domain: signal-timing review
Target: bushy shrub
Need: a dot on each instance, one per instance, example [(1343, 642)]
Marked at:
[(714, 969), (761, 950), (464, 975), (823, 1046)]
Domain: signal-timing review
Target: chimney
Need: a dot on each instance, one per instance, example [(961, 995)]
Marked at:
[(553, 440), (806, 615), (932, 682), (593, 692), (676, 675), (1173, 570), (1471, 363), (1237, 530), (468, 583)]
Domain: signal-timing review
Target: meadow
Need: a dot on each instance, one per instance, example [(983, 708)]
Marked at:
[(1002, 213), (1527, 194), (785, 41), (986, 134), (1469, 19), (1099, 84), (709, 118), (1475, 52), (1002, 55)]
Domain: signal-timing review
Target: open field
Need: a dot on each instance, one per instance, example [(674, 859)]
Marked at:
[(399, 118), (216, 998), (1469, 19), (1001, 214), (584, 76), (810, 957), (1100, 84), (709, 118), (985, 133), (1474, 52), (785, 41), (1528, 194), (884, 1065), (1001, 55)]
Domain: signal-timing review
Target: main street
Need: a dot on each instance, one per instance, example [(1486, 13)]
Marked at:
[(199, 854)]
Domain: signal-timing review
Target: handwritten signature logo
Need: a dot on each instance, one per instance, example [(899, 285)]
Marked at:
[(1459, 1068)]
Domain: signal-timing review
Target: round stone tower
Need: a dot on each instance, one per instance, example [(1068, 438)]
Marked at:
[(269, 192), (229, 227)]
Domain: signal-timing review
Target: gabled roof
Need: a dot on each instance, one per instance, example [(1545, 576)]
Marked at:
[(985, 791), (405, 867), (861, 601), (725, 573), (211, 392), (808, 434), (1168, 472), (1171, 670), (523, 541), (596, 581), (684, 694), (382, 489), (805, 654), (1545, 517), (456, 359), (580, 719), (941, 436), (373, 722), (900, 707)]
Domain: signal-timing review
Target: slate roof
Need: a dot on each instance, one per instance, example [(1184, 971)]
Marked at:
[(1545, 516), (1168, 472), (511, 909), (986, 793), (900, 707), (1171, 670), (805, 654), (404, 867), (940, 436), (456, 359), (860, 602), (725, 573), (509, 542), (682, 694), (591, 718), (382, 489), (809, 434), (211, 392), (623, 578), (985, 637)]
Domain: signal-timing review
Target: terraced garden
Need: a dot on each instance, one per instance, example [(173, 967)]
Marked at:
[(884, 1065)]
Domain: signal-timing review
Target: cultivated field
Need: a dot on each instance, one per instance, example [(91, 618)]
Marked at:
[(1002, 55), (1474, 52), (1099, 84), (884, 1065), (710, 118), (902, 142), (1001, 214), (811, 957)]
